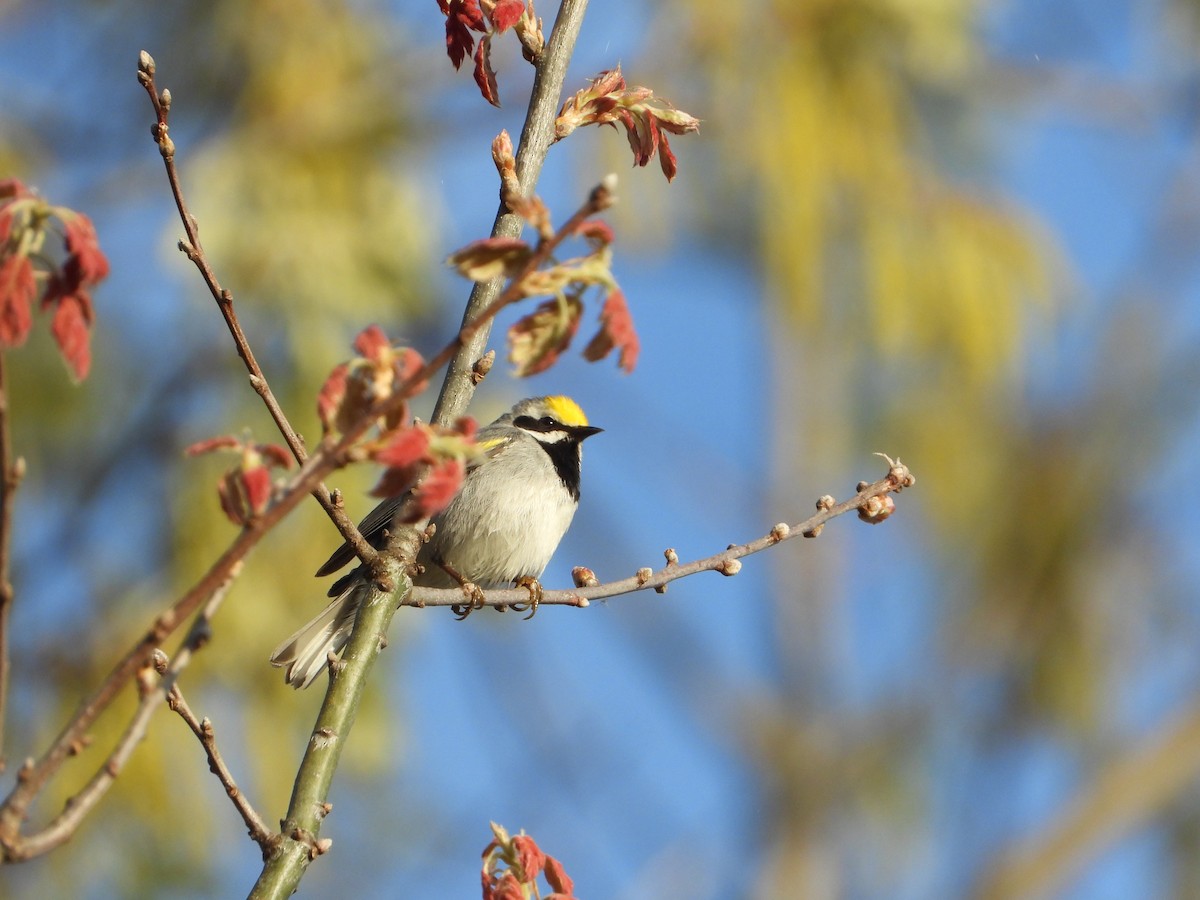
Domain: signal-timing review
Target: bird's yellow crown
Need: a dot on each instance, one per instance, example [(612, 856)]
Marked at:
[(566, 410)]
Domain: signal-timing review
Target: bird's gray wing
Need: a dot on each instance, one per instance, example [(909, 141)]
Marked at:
[(379, 520)]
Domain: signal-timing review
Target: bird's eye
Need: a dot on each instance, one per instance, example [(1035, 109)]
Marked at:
[(548, 422)]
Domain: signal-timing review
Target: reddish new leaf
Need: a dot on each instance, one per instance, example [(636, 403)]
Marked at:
[(536, 341), (529, 856), (404, 448), (438, 488), (331, 397), (462, 17), (507, 888), (485, 75), (666, 159), (12, 189), (506, 14), (372, 343), (275, 455), (645, 118), (17, 290), (616, 331), (208, 445), (256, 485), (595, 232), (233, 503), (84, 245), (70, 329), (489, 258), (410, 363), (558, 878)]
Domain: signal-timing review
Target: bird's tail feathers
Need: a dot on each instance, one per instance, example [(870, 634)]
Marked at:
[(306, 652)]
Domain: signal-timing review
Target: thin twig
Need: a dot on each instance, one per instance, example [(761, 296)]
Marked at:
[(897, 479), (194, 250), (11, 471), (155, 678), (259, 832)]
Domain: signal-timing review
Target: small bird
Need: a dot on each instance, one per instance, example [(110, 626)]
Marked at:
[(515, 504)]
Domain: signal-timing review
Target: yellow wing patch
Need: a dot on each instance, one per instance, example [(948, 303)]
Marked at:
[(566, 410)]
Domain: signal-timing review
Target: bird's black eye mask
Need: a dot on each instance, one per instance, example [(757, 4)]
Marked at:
[(543, 425)]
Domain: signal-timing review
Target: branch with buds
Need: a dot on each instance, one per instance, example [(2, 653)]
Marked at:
[(872, 501)]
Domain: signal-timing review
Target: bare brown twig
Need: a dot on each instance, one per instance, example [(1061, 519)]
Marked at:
[(194, 250), (266, 839), (725, 562)]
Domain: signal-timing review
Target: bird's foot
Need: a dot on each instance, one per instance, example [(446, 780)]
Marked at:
[(475, 600), (535, 596)]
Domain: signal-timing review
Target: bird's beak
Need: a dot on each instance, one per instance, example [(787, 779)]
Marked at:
[(585, 431)]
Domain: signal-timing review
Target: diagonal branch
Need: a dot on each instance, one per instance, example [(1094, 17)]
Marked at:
[(156, 676), (194, 250), (266, 839)]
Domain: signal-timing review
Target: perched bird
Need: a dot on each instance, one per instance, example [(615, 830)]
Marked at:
[(515, 504)]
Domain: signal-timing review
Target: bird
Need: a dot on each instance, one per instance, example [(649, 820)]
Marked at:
[(516, 502)]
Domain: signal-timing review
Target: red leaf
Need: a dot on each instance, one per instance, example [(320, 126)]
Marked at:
[(485, 75), (72, 334), (529, 856), (666, 159), (467, 427), (208, 445), (410, 363), (17, 290), (459, 41), (557, 877), (406, 447), (372, 343), (331, 396), (82, 242), (462, 16), (394, 482), (595, 232), (506, 14), (490, 258), (469, 14), (507, 888), (438, 488), (230, 494), (12, 189), (536, 341), (275, 455), (256, 484), (616, 330)]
